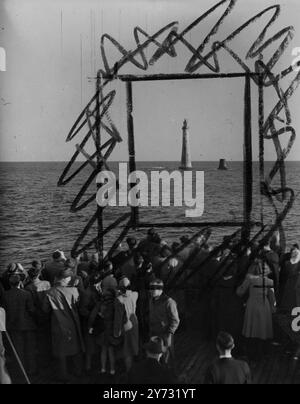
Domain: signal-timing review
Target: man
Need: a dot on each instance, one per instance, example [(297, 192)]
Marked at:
[(61, 301), (158, 260), (4, 376), (146, 244), (20, 321), (163, 318), (150, 371), (54, 267), (227, 370), (127, 268)]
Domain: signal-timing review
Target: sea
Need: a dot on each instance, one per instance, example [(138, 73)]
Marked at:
[(35, 217)]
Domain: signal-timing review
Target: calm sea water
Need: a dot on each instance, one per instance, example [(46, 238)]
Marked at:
[(36, 219)]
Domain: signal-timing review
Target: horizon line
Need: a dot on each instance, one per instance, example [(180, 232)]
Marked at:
[(141, 161)]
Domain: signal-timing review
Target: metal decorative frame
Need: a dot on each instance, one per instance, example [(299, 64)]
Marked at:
[(96, 124)]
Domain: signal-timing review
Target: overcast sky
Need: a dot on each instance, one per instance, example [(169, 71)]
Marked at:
[(53, 49)]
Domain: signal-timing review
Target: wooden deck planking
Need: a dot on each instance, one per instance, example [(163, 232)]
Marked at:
[(275, 368), (193, 356)]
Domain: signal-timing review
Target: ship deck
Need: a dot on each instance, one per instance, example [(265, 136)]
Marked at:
[(193, 356)]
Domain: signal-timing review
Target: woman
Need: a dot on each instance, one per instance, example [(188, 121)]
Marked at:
[(289, 281), (290, 287), (105, 310), (258, 322), (14, 269), (126, 322)]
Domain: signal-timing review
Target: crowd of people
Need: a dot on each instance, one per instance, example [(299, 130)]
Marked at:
[(97, 309)]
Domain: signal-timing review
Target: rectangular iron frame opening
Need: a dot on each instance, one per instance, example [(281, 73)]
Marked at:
[(247, 222)]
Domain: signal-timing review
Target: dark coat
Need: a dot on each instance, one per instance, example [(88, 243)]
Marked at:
[(163, 316), (1, 293), (290, 278), (228, 371), (62, 302), (227, 308), (20, 310), (150, 371)]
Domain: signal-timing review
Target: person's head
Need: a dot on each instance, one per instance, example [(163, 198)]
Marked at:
[(155, 348), (108, 268), (184, 240), (256, 268), (267, 245), (65, 276), (156, 288), (138, 260), (132, 243), (294, 253), (199, 241), (14, 281), (94, 279), (34, 273), (206, 247), (173, 264), (93, 267), (36, 264), (295, 256), (151, 233), (226, 252), (248, 251), (71, 264), (260, 267), (16, 269), (165, 252), (84, 257), (225, 343), (230, 272), (149, 267), (156, 239), (58, 256), (124, 285), (95, 258), (295, 247)]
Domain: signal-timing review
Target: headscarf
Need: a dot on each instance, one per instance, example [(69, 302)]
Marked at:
[(295, 260)]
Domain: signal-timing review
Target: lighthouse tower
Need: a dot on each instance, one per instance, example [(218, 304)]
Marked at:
[(186, 162)]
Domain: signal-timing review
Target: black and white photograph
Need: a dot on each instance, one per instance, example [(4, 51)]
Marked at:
[(149, 195)]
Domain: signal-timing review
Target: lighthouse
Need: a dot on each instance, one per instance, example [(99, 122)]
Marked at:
[(186, 162)]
